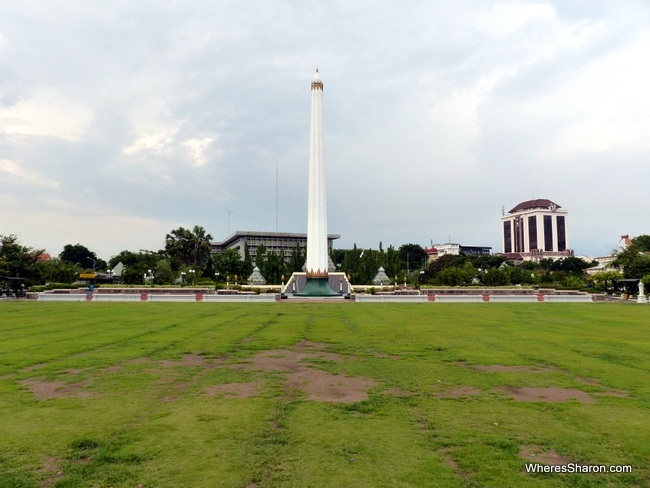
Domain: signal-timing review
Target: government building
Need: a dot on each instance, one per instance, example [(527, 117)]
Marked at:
[(534, 230), (274, 242)]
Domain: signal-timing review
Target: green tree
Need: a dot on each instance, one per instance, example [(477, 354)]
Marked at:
[(55, 270), (81, 255), (412, 256), (229, 264), (634, 259), (163, 273), (17, 260), (297, 260), (496, 277), (450, 276), (187, 247)]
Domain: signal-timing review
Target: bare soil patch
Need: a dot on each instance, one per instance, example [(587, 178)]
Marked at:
[(51, 471), (45, 390), (549, 394), (322, 386), (232, 390), (459, 392), (538, 454), (284, 360), (301, 375)]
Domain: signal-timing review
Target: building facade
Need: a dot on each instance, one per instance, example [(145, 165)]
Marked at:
[(274, 242), (450, 248), (535, 229)]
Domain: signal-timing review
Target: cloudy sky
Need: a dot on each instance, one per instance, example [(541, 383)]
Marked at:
[(122, 120)]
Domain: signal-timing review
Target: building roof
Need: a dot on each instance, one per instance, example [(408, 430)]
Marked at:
[(537, 203), (267, 235)]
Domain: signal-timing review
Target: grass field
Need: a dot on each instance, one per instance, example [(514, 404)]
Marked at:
[(322, 395)]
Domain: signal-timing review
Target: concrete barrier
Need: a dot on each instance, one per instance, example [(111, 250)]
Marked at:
[(391, 298), (568, 298), (458, 298), (154, 297), (513, 298), (61, 297), (264, 297), (116, 297)]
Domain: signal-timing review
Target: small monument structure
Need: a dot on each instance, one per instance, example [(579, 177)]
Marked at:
[(641, 298), (256, 277)]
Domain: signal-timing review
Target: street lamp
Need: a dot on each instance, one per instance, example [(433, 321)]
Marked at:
[(88, 257), (149, 277), (182, 278), (192, 272)]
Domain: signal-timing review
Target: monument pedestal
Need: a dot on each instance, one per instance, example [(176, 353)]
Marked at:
[(317, 287)]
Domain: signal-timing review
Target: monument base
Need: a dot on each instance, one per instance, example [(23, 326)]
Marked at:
[(317, 287)]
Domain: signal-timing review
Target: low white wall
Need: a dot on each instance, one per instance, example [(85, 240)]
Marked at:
[(116, 297), (459, 298), (61, 297), (513, 298), (264, 297), (170, 298), (391, 298), (568, 298)]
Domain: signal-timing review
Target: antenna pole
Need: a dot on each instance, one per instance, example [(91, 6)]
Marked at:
[(277, 186)]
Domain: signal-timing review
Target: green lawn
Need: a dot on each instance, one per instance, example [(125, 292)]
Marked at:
[(322, 395)]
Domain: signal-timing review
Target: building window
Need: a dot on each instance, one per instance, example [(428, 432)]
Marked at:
[(519, 234), (532, 233), (561, 234), (507, 236), (548, 233)]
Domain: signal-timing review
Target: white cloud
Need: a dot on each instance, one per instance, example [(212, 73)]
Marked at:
[(198, 148), (46, 113), (11, 169), (507, 17)]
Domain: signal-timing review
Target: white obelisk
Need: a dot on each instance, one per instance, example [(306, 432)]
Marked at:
[(317, 259)]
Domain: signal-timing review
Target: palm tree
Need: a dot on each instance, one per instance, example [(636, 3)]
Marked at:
[(188, 247)]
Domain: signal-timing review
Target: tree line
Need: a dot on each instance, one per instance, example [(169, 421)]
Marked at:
[(187, 258)]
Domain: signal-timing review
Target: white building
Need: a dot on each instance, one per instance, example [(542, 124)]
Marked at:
[(535, 229)]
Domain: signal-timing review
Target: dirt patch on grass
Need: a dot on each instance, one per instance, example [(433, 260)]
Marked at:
[(322, 386), (302, 374), (285, 360), (550, 394), (459, 392), (232, 390), (539, 454), (50, 471), (45, 390)]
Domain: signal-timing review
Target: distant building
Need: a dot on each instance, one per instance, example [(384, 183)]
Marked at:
[(454, 249), (535, 229), (273, 241), (605, 262)]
